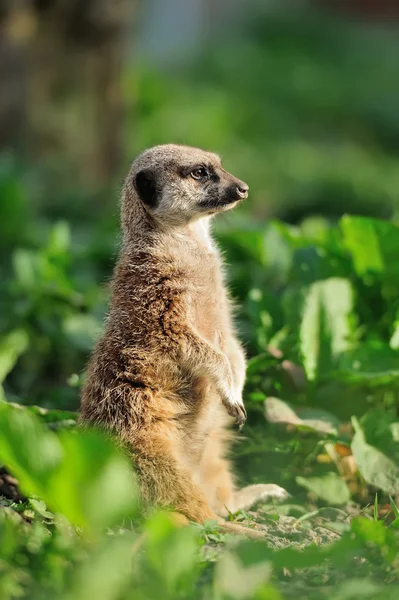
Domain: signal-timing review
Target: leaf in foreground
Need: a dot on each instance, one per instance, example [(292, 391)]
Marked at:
[(79, 474)]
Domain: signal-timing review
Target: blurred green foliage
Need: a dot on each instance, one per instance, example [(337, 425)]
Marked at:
[(305, 111), (302, 106)]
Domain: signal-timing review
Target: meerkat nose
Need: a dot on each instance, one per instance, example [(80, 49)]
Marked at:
[(242, 190)]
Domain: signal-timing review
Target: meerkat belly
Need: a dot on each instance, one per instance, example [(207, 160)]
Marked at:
[(208, 320), (210, 312)]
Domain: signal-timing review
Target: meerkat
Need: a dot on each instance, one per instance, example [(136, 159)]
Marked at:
[(168, 373)]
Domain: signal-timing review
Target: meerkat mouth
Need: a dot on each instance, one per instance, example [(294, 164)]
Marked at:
[(218, 205), (223, 202)]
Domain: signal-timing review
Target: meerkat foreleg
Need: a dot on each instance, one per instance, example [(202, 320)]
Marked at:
[(201, 358), (236, 358)]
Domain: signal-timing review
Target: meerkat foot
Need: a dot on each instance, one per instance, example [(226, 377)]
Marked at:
[(258, 492), (252, 534)]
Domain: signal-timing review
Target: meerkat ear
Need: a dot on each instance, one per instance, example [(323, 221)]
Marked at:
[(146, 187)]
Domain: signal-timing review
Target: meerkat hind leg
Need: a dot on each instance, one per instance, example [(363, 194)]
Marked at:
[(218, 482), (165, 482)]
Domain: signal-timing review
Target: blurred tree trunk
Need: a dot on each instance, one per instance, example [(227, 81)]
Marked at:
[(61, 80)]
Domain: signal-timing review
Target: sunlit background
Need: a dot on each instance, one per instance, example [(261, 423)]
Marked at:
[(301, 100)]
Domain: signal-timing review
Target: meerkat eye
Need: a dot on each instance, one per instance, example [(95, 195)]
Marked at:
[(199, 173)]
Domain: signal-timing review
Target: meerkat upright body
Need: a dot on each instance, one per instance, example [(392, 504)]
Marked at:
[(168, 373)]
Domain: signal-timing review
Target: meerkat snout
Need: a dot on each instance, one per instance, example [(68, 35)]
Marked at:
[(242, 190), (178, 184)]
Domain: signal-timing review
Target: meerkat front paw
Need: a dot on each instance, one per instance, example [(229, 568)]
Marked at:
[(236, 409)]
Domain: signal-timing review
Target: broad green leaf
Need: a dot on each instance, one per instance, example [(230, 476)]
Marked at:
[(394, 341), (373, 245), (377, 469), (371, 363), (80, 475), (47, 415), (380, 428), (330, 487), (172, 553), (59, 238), (40, 507), (376, 532), (325, 327), (12, 345), (359, 588), (236, 581), (32, 452), (362, 239), (313, 263), (106, 574), (24, 262), (278, 411), (248, 243)]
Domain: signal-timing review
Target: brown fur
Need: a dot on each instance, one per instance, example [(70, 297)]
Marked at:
[(169, 363)]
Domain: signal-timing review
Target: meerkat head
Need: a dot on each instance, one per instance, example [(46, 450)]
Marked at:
[(179, 184)]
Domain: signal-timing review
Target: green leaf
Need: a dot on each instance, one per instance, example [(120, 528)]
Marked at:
[(52, 415), (12, 345), (362, 239), (247, 243), (330, 487), (59, 239), (278, 411), (394, 341), (373, 363), (79, 475), (395, 522), (172, 553), (376, 468), (375, 532), (359, 588), (40, 507), (380, 428), (24, 262), (373, 245), (106, 574), (325, 327), (237, 581)]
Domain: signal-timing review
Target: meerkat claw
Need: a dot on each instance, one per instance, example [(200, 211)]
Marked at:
[(242, 417), (237, 410)]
